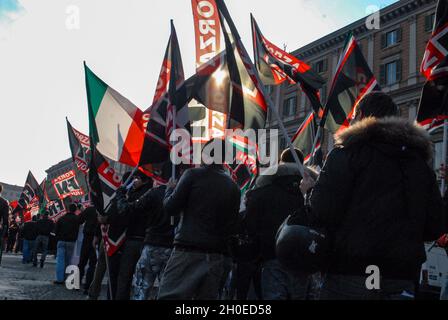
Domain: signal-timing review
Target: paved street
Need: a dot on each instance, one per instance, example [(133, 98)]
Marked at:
[(25, 282)]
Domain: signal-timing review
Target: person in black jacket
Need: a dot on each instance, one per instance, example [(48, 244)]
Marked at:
[(13, 230), (66, 231), (29, 234), (378, 199), (88, 252), (208, 202), (44, 227), (158, 241), (4, 215), (273, 198), (136, 221)]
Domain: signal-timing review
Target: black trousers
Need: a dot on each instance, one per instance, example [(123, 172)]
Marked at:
[(88, 256), (248, 274), (11, 242), (130, 254)]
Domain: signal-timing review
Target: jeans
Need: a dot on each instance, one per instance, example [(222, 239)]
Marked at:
[(28, 248), (341, 287), (150, 267), (88, 255), (192, 275), (64, 256), (41, 242), (277, 284)]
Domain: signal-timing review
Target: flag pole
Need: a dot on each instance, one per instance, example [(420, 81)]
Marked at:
[(284, 132), (173, 165), (106, 258), (444, 155), (222, 6)]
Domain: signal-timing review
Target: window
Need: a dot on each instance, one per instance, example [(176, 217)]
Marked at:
[(321, 66), (391, 73), (429, 22), (391, 38), (290, 107)]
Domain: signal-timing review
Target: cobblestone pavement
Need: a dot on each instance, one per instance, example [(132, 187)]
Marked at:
[(25, 282)]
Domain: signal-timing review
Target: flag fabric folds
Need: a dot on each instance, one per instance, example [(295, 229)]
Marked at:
[(104, 182), (304, 140), (237, 88), (30, 198), (276, 66), (80, 148), (352, 81), (437, 47), (116, 125), (433, 109), (169, 103)]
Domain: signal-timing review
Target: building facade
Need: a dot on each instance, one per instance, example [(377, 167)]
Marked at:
[(11, 192), (394, 53)]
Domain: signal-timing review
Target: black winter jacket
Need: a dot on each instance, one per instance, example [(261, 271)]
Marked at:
[(67, 228), (268, 207), (89, 217), (44, 227), (378, 198), (4, 213), (134, 218), (29, 230), (208, 201), (159, 231)]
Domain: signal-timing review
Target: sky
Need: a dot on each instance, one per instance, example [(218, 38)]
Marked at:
[(123, 42)]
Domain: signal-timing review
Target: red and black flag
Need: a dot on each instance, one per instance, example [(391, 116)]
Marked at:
[(276, 66), (433, 110), (304, 140), (30, 198), (170, 101), (237, 88), (80, 148), (352, 81), (104, 182), (437, 47)]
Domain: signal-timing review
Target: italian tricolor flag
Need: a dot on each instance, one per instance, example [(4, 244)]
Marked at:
[(116, 124)]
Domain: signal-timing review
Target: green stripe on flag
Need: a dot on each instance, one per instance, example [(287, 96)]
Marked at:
[(96, 89)]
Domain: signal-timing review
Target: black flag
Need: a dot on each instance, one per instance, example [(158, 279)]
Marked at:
[(352, 81), (276, 66)]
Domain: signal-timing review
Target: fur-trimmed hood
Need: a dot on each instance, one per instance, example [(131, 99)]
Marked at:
[(395, 132)]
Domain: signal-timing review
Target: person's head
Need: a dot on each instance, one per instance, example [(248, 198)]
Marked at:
[(288, 157), (376, 104), (214, 151), (72, 208), (140, 179)]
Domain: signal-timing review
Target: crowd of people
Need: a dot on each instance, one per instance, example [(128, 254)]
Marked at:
[(376, 199)]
